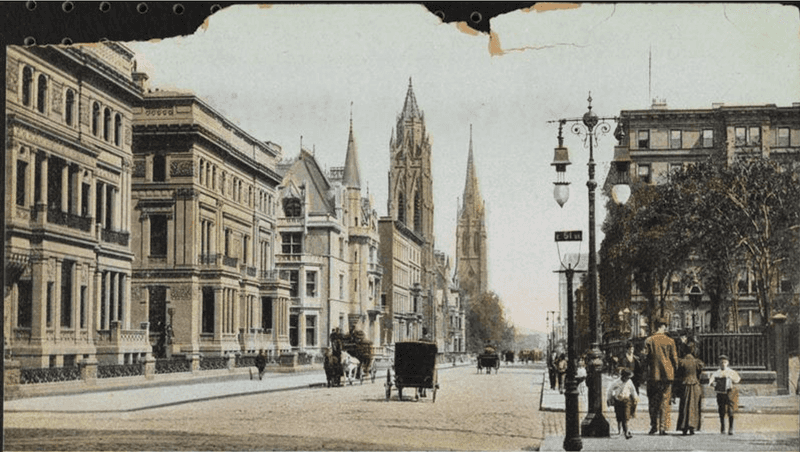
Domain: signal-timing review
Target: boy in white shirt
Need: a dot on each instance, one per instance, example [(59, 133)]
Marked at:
[(723, 381), (622, 395)]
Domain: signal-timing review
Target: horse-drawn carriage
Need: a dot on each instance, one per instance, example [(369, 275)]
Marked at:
[(414, 367), (489, 360), (350, 357)]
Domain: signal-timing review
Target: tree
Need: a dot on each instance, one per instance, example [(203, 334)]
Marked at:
[(486, 322)]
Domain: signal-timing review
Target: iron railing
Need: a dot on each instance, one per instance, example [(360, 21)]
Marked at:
[(173, 365), (118, 237), (245, 361), (49, 375), (213, 362), (120, 370), (56, 216), (208, 259)]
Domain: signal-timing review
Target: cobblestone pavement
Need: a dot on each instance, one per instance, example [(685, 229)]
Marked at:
[(472, 412)]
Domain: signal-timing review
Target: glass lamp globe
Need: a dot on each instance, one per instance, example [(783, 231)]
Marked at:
[(561, 193), (620, 193)]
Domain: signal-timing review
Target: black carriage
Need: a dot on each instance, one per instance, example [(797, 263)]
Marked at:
[(355, 344), (489, 360), (414, 367)]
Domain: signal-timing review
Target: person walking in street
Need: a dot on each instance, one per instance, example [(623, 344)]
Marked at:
[(622, 396), (689, 414), (662, 360), (580, 376), (632, 362), (261, 363), (551, 370), (723, 381)]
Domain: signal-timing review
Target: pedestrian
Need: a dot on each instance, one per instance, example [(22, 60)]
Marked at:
[(580, 376), (562, 371), (261, 363), (689, 411), (552, 373), (622, 396), (633, 363), (723, 381), (662, 360)]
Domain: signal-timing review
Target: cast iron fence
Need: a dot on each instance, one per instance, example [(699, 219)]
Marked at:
[(49, 375)]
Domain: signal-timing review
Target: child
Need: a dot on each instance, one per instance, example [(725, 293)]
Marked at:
[(727, 395), (622, 395)]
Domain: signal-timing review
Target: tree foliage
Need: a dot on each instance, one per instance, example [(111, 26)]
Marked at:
[(486, 322)]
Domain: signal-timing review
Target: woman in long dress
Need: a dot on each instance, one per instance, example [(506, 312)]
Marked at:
[(689, 411)]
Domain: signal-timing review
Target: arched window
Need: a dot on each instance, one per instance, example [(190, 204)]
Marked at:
[(401, 208), (41, 100), (106, 124), (417, 212), (292, 208), (69, 107), (476, 243), (465, 245), (95, 118), (27, 80), (117, 129)]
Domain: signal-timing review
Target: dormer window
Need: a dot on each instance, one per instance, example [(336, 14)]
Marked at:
[(292, 208)]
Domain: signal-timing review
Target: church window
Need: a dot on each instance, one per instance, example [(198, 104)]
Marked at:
[(465, 245), (292, 208), (417, 212), (477, 243), (401, 208)]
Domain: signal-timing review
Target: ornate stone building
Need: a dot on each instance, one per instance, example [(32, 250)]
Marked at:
[(204, 231), (471, 247), (68, 165), (407, 240), (328, 250)]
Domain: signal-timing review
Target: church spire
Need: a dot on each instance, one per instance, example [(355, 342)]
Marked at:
[(352, 178), (410, 109), (472, 195)]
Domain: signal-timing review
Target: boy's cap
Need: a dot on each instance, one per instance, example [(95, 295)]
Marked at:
[(725, 357)]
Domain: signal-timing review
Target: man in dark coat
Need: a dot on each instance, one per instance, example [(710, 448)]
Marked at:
[(261, 363), (662, 357)]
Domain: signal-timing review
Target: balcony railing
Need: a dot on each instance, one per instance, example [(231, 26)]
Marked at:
[(376, 268), (56, 216), (208, 259), (118, 237), (269, 275), (248, 271), (230, 261)]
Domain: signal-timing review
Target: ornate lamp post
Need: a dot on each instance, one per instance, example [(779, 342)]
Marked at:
[(590, 127)]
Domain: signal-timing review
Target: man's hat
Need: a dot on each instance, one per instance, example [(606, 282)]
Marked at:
[(725, 357), (626, 373)]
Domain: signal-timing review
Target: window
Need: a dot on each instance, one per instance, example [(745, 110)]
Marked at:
[(22, 170), (82, 307), (401, 208), (41, 99), (246, 249), (465, 244), (294, 280), (266, 313), (95, 118), (708, 138), (106, 124), (85, 189), (293, 325), (311, 330), (227, 242), (69, 107), (292, 208), (644, 172), (27, 81), (476, 243), (311, 284), (117, 129), (66, 294), (783, 137), (49, 313), (292, 242), (159, 168), (754, 136), (786, 286), (24, 304), (741, 136), (158, 235), (675, 141), (207, 325), (644, 139), (743, 285), (341, 248), (417, 212), (677, 287), (341, 287), (383, 301)]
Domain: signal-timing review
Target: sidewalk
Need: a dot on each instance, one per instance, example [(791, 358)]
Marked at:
[(788, 404), (122, 400), (675, 442)]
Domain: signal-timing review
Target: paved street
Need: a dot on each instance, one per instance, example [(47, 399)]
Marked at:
[(289, 412), (472, 412)]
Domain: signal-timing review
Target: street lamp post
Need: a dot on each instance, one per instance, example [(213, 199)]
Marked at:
[(590, 126)]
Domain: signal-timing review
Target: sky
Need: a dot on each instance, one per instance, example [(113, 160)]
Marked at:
[(286, 71)]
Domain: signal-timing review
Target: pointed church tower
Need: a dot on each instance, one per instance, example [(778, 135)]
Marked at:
[(471, 247)]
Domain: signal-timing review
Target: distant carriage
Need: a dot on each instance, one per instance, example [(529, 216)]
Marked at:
[(489, 360), (414, 367), (350, 357), (508, 356)]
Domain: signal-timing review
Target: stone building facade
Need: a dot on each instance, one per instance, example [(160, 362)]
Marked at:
[(328, 249), (204, 231), (68, 174), (660, 140)]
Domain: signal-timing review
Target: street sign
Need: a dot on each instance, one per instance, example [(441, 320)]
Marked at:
[(569, 236)]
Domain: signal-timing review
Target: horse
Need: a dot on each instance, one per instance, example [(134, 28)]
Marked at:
[(333, 369), (350, 366)]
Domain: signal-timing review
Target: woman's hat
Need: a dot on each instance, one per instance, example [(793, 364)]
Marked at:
[(626, 373)]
